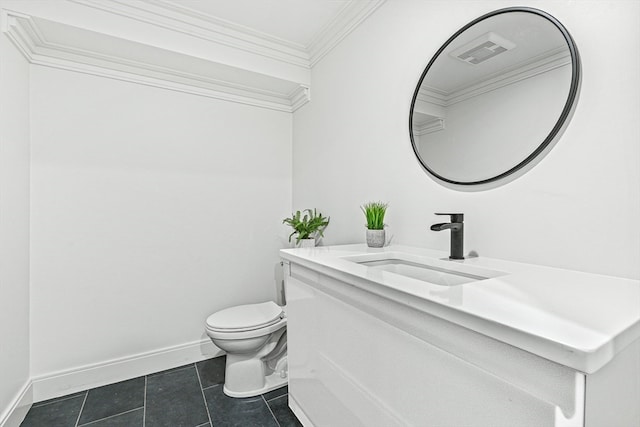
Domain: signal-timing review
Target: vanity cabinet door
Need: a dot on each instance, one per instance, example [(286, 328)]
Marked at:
[(613, 392), (310, 396), (357, 359)]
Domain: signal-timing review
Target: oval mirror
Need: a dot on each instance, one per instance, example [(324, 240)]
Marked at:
[(495, 97)]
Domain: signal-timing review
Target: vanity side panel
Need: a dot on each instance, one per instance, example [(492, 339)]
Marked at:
[(613, 392), (388, 364), (313, 403)]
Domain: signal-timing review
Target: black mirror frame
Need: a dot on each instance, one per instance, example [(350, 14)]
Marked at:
[(559, 125)]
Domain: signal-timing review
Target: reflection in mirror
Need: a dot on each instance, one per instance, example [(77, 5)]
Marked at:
[(494, 97)]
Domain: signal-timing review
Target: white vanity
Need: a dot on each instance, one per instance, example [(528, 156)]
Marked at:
[(402, 336)]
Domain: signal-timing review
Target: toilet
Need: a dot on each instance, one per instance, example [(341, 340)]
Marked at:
[(254, 336)]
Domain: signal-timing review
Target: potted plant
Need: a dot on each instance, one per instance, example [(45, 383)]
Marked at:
[(374, 212), (306, 227)]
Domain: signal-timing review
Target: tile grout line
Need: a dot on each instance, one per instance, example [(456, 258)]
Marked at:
[(86, 393), (57, 399), (110, 416), (206, 406), (210, 386), (270, 411), (144, 403), (179, 368), (277, 397)]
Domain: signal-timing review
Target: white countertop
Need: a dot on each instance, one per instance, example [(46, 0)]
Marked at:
[(577, 319)]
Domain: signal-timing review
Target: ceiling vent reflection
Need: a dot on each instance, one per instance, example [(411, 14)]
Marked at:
[(484, 47)]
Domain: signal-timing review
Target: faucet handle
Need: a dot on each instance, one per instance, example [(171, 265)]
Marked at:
[(455, 217)]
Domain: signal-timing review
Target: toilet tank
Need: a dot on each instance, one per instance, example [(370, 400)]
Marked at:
[(281, 299)]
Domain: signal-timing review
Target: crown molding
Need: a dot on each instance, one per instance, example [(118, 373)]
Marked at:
[(175, 17), (300, 96), (170, 14), (432, 95), (352, 15), (18, 34), (28, 37), (429, 126), (286, 93), (542, 64)]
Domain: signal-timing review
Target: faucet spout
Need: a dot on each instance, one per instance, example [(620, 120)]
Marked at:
[(446, 226), (457, 233)]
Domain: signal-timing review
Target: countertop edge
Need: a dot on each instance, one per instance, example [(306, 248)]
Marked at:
[(584, 360)]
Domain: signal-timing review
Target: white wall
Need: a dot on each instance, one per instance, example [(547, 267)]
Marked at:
[(151, 209), (14, 225), (578, 208)]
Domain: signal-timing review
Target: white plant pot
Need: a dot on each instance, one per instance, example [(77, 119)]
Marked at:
[(307, 243), (375, 238)]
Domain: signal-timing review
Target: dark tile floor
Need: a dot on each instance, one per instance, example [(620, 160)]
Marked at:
[(188, 396)]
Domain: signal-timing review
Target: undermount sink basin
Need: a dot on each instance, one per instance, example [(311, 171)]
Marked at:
[(435, 271)]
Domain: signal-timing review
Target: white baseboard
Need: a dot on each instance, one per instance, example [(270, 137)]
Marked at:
[(299, 413), (81, 378), (15, 413)]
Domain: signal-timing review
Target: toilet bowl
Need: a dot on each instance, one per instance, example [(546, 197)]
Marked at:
[(255, 339)]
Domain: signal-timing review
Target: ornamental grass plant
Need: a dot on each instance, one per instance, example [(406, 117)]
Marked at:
[(374, 212)]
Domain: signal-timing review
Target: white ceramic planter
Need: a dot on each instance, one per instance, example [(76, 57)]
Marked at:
[(307, 243), (375, 238)]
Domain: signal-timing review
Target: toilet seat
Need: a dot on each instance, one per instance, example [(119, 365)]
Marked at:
[(244, 318)]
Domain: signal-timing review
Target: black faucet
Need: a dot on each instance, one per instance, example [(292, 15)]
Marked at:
[(457, 233)]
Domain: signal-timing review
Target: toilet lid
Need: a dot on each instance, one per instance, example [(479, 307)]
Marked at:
[(245, 317)]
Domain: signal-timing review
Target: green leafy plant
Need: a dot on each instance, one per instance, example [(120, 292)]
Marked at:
[(374, 212), (306, 226)]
